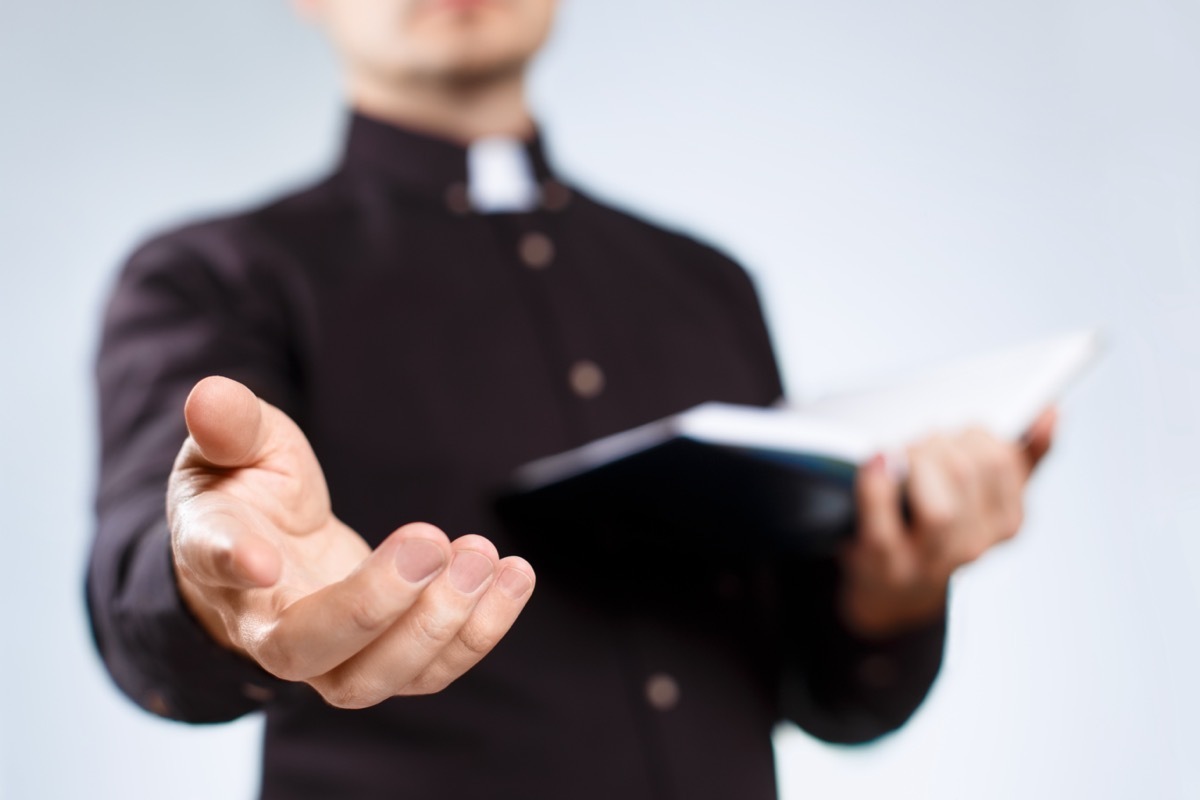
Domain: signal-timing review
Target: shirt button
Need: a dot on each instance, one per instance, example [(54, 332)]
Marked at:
[(157, 703), (586, 379), (536, 250), (662, 692), (259, 694)]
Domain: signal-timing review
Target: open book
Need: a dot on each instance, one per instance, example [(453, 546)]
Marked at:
[(786, 475)]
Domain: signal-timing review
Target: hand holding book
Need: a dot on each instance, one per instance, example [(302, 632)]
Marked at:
[(964, 495), (811, 480)]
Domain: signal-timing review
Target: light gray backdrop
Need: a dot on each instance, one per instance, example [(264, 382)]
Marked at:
[(906, 180)]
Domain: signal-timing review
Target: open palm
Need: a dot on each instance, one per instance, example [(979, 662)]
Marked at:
[(271, 572)]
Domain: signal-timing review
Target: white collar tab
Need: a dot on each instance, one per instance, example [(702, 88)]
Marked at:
[(500, 176)]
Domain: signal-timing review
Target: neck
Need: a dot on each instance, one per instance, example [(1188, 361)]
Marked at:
[(461, 111)]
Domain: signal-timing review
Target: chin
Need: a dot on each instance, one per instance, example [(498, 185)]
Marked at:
[(468, 74), (452, 40), (475, 55)]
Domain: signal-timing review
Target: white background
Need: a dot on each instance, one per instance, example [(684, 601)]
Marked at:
[(906, 180)]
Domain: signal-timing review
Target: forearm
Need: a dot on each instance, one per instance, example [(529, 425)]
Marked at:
[(843, 687), (152, 646), (860, 689), (170, 322)]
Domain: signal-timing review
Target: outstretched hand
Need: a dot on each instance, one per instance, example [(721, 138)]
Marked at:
[(965, 495), (270, 571)]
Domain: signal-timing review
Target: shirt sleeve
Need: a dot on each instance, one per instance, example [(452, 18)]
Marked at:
[(841, 687), (174, 317), (837, 686)]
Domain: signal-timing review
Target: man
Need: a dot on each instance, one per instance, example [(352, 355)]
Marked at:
[(437, 312)]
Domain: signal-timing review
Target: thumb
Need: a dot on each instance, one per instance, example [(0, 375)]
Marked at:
[(1038, 438), (225, 420)]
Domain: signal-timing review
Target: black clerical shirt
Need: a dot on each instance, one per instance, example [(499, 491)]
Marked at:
[(427, 350)]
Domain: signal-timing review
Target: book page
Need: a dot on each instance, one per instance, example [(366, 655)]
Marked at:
[(1003, 391)]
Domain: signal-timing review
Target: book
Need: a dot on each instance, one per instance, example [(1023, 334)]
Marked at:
[(783, 477)]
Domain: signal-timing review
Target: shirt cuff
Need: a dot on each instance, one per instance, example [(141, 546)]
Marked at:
[(852, 689), (171, 666)]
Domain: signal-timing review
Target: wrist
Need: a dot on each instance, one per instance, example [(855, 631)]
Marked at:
[(877, 613), (205, 615)]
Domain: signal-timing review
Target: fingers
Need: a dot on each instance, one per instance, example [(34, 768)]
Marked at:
[(1000, 473), (884, 587), (936, 475), (318, 632), (459, 618), (965, 495), (412, 617), (945, 495), (978, 480), (252, 450), (225, 420), (491, 619), (881, 531)]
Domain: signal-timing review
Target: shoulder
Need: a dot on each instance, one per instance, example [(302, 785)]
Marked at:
[(670, 247), (693, 279), (232, 243), (232, 265)]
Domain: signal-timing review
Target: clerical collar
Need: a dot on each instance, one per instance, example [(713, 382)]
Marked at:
[(492, 175), (499, 176)]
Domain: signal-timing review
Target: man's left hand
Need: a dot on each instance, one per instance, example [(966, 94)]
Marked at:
[(964, 495)]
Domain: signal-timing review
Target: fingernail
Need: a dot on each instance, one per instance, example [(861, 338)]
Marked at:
[(417, 559), (514, 583), (469, 570), (877, 463)]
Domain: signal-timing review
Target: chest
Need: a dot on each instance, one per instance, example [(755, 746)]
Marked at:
[(448, 351)]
